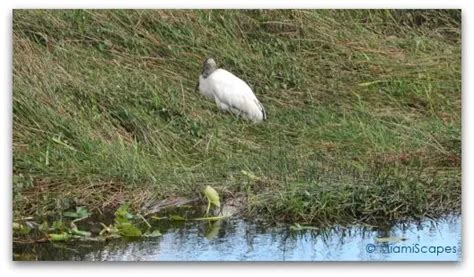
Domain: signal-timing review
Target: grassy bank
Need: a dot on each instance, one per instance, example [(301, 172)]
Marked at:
[(364, 112)]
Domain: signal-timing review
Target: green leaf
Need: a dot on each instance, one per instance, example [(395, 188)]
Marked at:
[(59, 237), (57, 225), (155, 233), (82, 212), (212, 196), (122, 215), (20, 228), (81, 233), (127, 229), (70, 214), (79, 213)]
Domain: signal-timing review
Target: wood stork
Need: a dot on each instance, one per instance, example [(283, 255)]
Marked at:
[(229, 92)]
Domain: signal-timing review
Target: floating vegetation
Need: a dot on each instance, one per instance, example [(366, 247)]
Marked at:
[(126, 224)]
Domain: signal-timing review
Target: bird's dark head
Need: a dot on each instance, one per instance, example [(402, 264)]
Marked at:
[(208, 67)]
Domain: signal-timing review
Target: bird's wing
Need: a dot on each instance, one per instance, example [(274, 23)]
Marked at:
[(231, 90)]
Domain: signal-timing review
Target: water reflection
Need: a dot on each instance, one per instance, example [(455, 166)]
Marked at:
[(237, 240)]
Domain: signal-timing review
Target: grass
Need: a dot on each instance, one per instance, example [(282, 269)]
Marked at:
[(364, 111)]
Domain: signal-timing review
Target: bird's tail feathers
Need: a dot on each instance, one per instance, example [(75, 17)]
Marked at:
[(262, 109)]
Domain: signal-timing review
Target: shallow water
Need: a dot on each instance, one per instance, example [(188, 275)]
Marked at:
[(239, 240)]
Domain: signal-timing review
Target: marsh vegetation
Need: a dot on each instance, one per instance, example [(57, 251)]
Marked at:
[(364, 112)]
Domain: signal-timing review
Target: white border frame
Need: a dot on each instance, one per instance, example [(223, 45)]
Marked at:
[(278, 269)]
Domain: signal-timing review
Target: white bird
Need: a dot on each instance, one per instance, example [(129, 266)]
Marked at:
[(229, 92)]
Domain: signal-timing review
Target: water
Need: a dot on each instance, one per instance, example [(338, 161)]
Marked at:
[(238, 240)]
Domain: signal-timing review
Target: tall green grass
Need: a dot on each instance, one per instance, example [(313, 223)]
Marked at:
[(364, 111)]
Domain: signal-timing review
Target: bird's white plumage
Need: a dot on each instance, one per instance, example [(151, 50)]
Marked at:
[(232, 94)]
